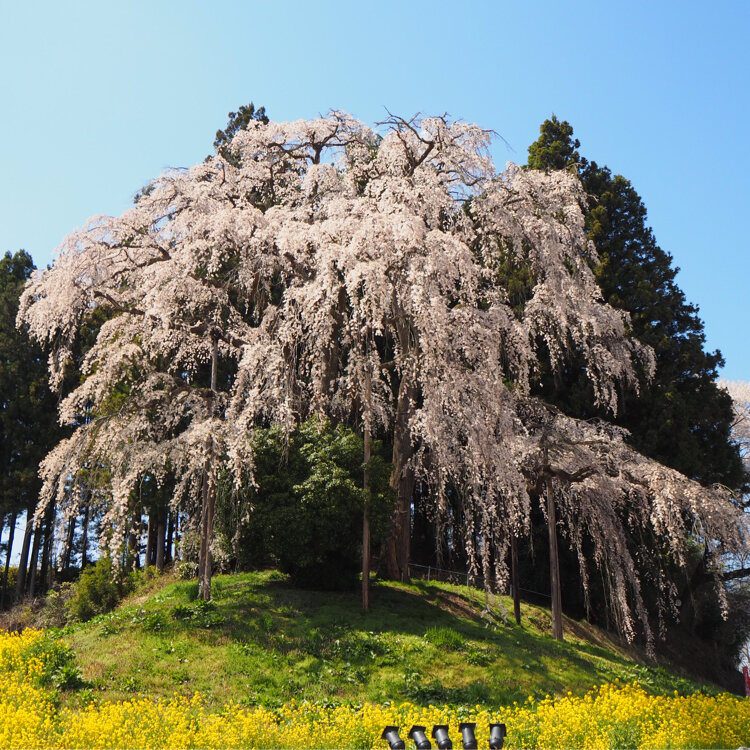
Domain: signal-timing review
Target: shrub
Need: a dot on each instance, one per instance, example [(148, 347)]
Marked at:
[(305, 512), (99, 589), (186, 570)]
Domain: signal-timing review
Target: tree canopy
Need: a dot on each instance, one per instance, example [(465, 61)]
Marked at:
[(680, 418), (336, 271), (27, 406)]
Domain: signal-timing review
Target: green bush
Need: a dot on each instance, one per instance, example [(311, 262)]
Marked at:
[(58, 662), (305, 513), (99, 589)]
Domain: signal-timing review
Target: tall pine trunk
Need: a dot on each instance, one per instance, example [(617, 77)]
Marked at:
[(85, 536), (168, 556), (176, 538), (34, 561), (161, 533), (46, 573), (11, 534), (150, 538), (68, 549), (24, 559), (133, 543)]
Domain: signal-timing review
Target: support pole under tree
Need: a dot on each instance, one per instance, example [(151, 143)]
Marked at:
[(554, 563), (366, 525), (208, 496)]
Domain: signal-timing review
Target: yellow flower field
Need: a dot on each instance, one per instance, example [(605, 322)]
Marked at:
[(609, 717)]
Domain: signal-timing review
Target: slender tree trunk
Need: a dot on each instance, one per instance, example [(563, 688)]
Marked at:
[(554, 564), (34, 561), (85, 537), (366, 525), (24, 560), (161, 533), (170, 535), (134, 538), (11, 534), (176, 541), (46, 572), (209, 499), (69, 538), (150, 539), (514, 578)]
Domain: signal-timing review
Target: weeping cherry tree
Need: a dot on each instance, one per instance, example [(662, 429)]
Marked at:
[(335, 270)]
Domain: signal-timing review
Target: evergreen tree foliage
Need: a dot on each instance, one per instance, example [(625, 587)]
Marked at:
[(27, 407), (28, 425), (681, 418), (238, 120), (304, 513)]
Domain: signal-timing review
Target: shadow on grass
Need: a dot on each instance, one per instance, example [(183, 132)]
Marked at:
[(260, 640)]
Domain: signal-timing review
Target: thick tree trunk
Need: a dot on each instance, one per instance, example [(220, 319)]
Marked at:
[(24, 560), (554, 565), (11, 534), (514, 578), (366, 526), (207, 525), (397, 551)]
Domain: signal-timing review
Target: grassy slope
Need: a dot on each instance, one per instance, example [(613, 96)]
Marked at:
[(262, 641)]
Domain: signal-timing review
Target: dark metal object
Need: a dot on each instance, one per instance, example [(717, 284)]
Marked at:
[(467, 735), (497, 736), (440, 733), (416, 733), (390, 735)]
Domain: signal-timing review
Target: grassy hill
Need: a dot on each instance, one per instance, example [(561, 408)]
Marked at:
[(261, 641)]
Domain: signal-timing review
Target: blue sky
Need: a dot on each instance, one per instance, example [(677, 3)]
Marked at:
[(99, 97)]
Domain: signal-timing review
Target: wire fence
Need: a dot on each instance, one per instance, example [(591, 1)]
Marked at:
[(432, 573)]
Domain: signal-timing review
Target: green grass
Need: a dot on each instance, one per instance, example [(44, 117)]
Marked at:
[(261, 641)]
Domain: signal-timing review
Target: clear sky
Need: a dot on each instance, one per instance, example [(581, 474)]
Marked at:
[(99, 97)]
